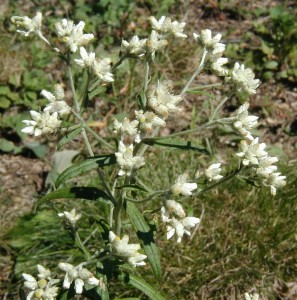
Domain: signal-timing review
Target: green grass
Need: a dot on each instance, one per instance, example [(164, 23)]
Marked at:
[(246, 239)]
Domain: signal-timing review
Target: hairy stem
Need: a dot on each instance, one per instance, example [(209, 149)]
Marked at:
[(198, 70)]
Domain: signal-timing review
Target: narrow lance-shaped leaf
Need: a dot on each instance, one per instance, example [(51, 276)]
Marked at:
[(84, 166), (69, 137), (145, 234), (88, 193), (175, 143), (141, 285)]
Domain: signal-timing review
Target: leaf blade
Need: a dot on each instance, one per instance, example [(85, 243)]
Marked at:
[(145, 234), (84, 166)]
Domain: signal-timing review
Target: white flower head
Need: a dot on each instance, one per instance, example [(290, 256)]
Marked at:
[(212, 44), (43, 288), (126, 161), (56, 101), (135, 47), (87, 59), (165, 26), (161, 100), (255, 296), (64, 28), (148, 120), (155, 43), (266, 167), (73, 35), (28, 25), (72, 217), (79, 275), (244, 122), (212, 173), (126, 127), (217, 66), (252, 152), (183, 187), (42, 123), (173, 207), (275, 181), (244, 79), (129, 252), (181, 227), (102, 69)]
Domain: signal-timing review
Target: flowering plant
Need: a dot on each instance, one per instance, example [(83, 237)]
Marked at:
[(123, 189)]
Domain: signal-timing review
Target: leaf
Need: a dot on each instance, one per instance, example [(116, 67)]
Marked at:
[(6, 145), (145, 234), (176, 143), (76, 192), (69, 137), (4, 102), (84, 166), (38, 149), (140, 284), (96, 293), (96, 91), (132, 187)]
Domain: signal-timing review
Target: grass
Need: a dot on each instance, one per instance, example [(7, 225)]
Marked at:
[(246, 239)]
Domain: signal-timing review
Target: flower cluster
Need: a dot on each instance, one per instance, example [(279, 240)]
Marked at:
[(215, 49), (48, 122), (79, 275), (253, 153), (248, 296), (100, 67), (28, 25), (126, 161), (173, 214), (71, 217), (182, 187), (121, 247), (161, 100), (44, 288), (72, 35)]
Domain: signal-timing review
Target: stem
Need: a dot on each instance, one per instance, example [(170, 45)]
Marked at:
[(146, 79), (205, 86), (198, 70), (81, 246), (143, 185), (91, 131), (220, 105), (210, 187), (150, 197), (84, 100)]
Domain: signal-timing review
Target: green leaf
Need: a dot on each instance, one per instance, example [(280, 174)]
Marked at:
[(175, 143), (96, 293), (38, 149), (6, 145), (132, 187), (84, 166), (145, 234), (96, 91), (68, 137), (271, 65), (76, 192), (140, 284), (4, 102)]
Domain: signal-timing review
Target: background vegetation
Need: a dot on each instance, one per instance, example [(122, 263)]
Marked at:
[(247, 240)]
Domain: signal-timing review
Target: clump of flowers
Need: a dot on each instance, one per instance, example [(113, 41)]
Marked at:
[(120, 158)]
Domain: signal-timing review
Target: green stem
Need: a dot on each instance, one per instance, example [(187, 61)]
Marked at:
[(146, 80), (198, 70), (210, 187), (205, 86), (143, 185), (84, 100), (150, 197), (81, 246), (220, 105), (91, 131)]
